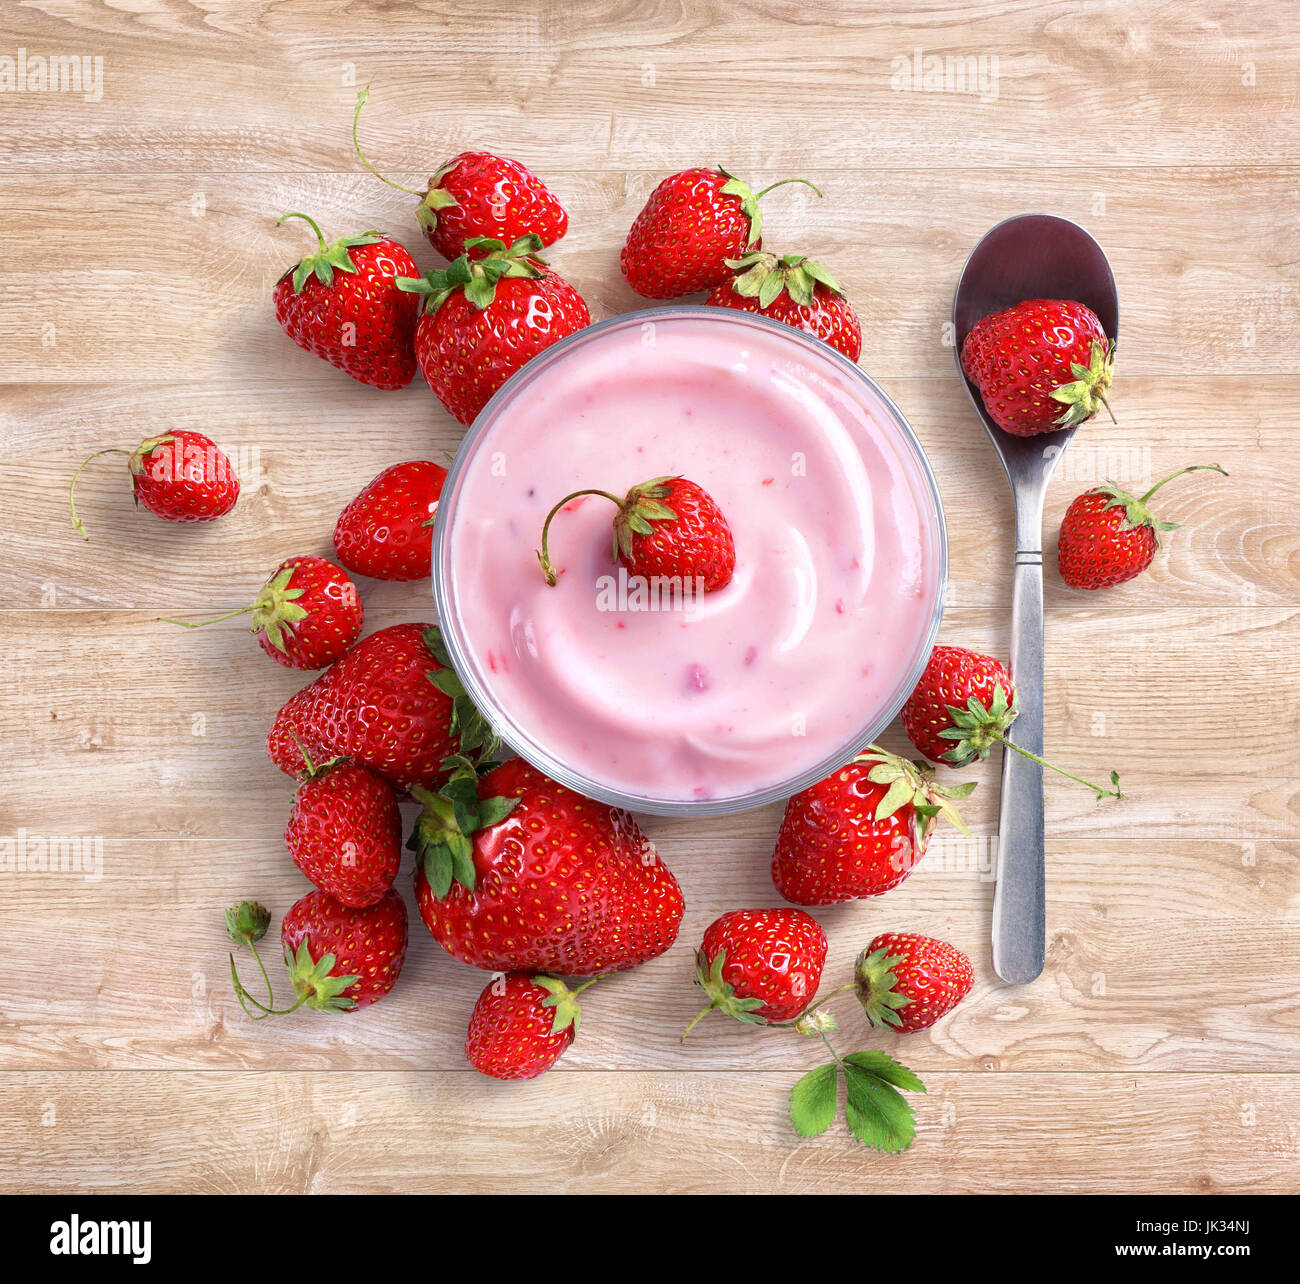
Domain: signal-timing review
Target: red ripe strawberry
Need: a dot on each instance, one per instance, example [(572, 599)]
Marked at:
[(485, 319), (341, 959), (797, 291), (392, 704), (860, 831), (667, 527), (907, 982), (521, 1025), (386, 532), (963, 705), (1108, 537), (1030, 361), (760, 966), (953, 677), (477, 194), (307, 614), (516, 872), (343, 304), (180, 476), (345, 832), (692, 224)]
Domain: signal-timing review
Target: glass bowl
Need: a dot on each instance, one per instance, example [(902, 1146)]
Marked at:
[(811, 354)]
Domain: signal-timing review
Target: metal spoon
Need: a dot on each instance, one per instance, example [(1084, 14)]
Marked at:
[(1032, 256)]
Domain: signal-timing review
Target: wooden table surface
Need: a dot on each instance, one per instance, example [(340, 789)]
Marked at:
[(1160, 1049)]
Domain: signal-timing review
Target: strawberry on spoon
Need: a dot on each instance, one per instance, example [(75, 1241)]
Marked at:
[(1042, 365), (668, 527)]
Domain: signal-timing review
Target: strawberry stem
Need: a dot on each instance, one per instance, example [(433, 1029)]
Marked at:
[(216, 619), (543, 553), (1101, 793), (362, 98), (307, 218), (781, 182), (1191, 468), (72, 489)]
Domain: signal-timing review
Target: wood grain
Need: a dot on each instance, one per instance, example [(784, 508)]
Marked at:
[(607, 1133), (1158, 1052)]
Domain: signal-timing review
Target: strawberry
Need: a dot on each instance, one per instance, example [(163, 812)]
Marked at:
[(345, 832), (307, 614), (386, 532), (860, 831), (392, 704), (339, 958), (1031, 360), (797, 291), (692, 224), (180, 476), (477, 194), (1109, 537), (962, 706), (760, 966), (516, 872), (667, 527), (521, 1025), (486, 318), (342, 303), (907, 982)]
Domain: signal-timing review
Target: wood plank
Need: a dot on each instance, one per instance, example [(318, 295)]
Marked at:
[(1129, 923), (106, 695), (1239, 545), (175, 283), (660, 86), (618, 1133)]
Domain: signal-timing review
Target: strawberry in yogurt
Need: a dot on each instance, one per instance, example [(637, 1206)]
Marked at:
[(655, 694)]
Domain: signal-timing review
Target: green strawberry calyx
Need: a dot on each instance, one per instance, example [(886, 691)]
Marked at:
[(475, 736), (247, 922), (978, 727), (327, 259), (764, 277), (443, 837), (722, 994), (563, 1001), (1086, 394), (749, 200), (642, 505), (876, 986), (1136, 513), (913, 783), (275, 609), (313, 983), (478, 278)]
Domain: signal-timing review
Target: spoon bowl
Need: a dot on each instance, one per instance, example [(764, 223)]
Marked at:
[(1031, 256)]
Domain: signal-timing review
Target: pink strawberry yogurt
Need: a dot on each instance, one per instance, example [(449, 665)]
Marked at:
[(719, 699)]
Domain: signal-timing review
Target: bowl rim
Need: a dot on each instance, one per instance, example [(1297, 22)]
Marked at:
[(537, 754)]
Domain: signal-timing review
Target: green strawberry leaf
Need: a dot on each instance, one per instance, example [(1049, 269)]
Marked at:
[(813, 1100), (885, 1067), (876, 1112)]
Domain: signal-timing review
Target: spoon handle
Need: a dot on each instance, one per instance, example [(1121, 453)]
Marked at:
[(1019, 910)]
